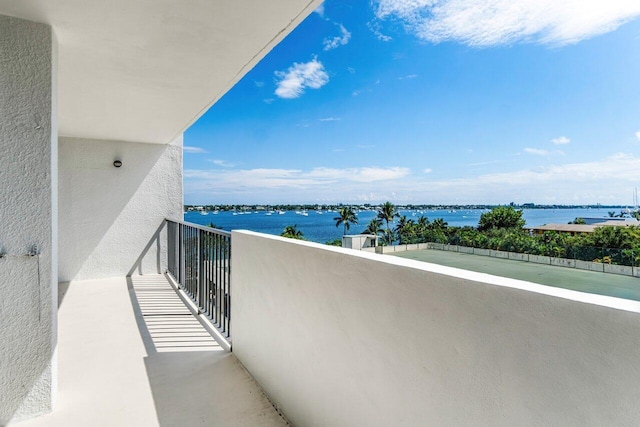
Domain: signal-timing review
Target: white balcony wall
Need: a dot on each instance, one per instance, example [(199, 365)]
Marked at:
[(28, 222), (111, 219), (344, 338)]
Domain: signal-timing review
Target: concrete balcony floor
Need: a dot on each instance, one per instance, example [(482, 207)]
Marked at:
[(131, 354)]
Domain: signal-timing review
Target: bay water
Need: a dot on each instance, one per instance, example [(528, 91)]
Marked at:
[(320, 226)]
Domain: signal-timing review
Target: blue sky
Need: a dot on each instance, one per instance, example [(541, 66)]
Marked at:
[(432, 101)]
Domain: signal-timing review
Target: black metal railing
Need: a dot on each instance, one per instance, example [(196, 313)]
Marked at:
[(199, 260)]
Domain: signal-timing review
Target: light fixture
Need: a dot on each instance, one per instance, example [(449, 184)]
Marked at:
[(117, 163)]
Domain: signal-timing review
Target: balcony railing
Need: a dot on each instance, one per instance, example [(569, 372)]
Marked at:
[(199, 259)]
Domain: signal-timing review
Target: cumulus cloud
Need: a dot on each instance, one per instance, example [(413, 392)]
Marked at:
[(561, 140), (484, 23), (193, 150), (337, 41), (293, 82), (638, 135)]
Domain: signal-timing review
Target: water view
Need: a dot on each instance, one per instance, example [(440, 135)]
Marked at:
[(320, 226)]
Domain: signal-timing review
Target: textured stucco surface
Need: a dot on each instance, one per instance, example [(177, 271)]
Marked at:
[(110, 217), (28, 285), (343, 338)]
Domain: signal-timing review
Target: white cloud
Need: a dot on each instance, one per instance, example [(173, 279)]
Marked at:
[(355, 93), (375, 28), (365, 146), (289, 178), (341, 40), (561, 140), (609, 180), (193, 150), (223, 163), (293, 82), (351, 70), (540, 152), (428, 170), (638, 135), (330, 119), (497, 22), (268, 101), (536, 151), (320, 10), (408, 77), (258, 84)]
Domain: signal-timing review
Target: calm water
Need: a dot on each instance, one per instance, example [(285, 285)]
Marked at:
[(321, 227)]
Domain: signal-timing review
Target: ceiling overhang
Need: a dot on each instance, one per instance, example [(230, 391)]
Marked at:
[(145, 70)]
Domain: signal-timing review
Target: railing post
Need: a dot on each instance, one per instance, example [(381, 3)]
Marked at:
[(200, 280), (181, 268)]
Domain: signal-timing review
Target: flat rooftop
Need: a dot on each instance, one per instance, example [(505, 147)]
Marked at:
[(593, 282)]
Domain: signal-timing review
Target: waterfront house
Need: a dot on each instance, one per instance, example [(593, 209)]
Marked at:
[(94, 97)]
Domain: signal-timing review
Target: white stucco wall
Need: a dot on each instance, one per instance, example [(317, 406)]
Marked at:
[(110, 217), (28, 162), (343, 338)]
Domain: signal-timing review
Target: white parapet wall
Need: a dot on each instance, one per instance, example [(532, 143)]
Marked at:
[(342, 338), (111, 219)]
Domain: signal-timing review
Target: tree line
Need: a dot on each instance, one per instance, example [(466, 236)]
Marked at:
[(502, 228)]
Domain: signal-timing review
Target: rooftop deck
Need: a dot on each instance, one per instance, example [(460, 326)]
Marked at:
[(131, 353), (593, 282)]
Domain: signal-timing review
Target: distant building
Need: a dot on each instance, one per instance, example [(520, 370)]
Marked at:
[(359, 241)]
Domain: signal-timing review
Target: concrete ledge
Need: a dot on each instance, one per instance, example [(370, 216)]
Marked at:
[(498, 254), (563, 262), (588, 265), (540, 259), (483, 252), (465, 249), (518, 256), (625, 270)]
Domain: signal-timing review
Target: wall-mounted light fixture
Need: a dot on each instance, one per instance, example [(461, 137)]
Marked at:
[(117, 163)]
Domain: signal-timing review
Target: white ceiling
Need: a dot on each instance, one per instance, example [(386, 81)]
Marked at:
[(144, 70)]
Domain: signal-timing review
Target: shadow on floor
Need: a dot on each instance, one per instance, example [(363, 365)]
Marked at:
[(207, 388)]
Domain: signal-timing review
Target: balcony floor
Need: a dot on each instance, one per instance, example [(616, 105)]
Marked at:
[(131, 354)]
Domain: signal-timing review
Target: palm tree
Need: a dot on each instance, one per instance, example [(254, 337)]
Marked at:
[(292, 232), (347, 217), (374, 227), (388, 213)]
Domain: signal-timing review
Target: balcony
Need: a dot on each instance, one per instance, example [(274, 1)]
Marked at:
[(132, 353), (338, 337)]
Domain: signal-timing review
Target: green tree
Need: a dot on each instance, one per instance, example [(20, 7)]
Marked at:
[(374, 227), (346, 217), (578, 221), (334, 242), (292, 232), (388, 213), (501, 217)]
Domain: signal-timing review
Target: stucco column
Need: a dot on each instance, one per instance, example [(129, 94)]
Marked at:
[(28, 219)]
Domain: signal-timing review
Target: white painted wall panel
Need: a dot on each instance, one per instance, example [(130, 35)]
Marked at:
[(111, 218), (345, 338)]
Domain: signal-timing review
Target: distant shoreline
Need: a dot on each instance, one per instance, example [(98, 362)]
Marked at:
[(369, 206)]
